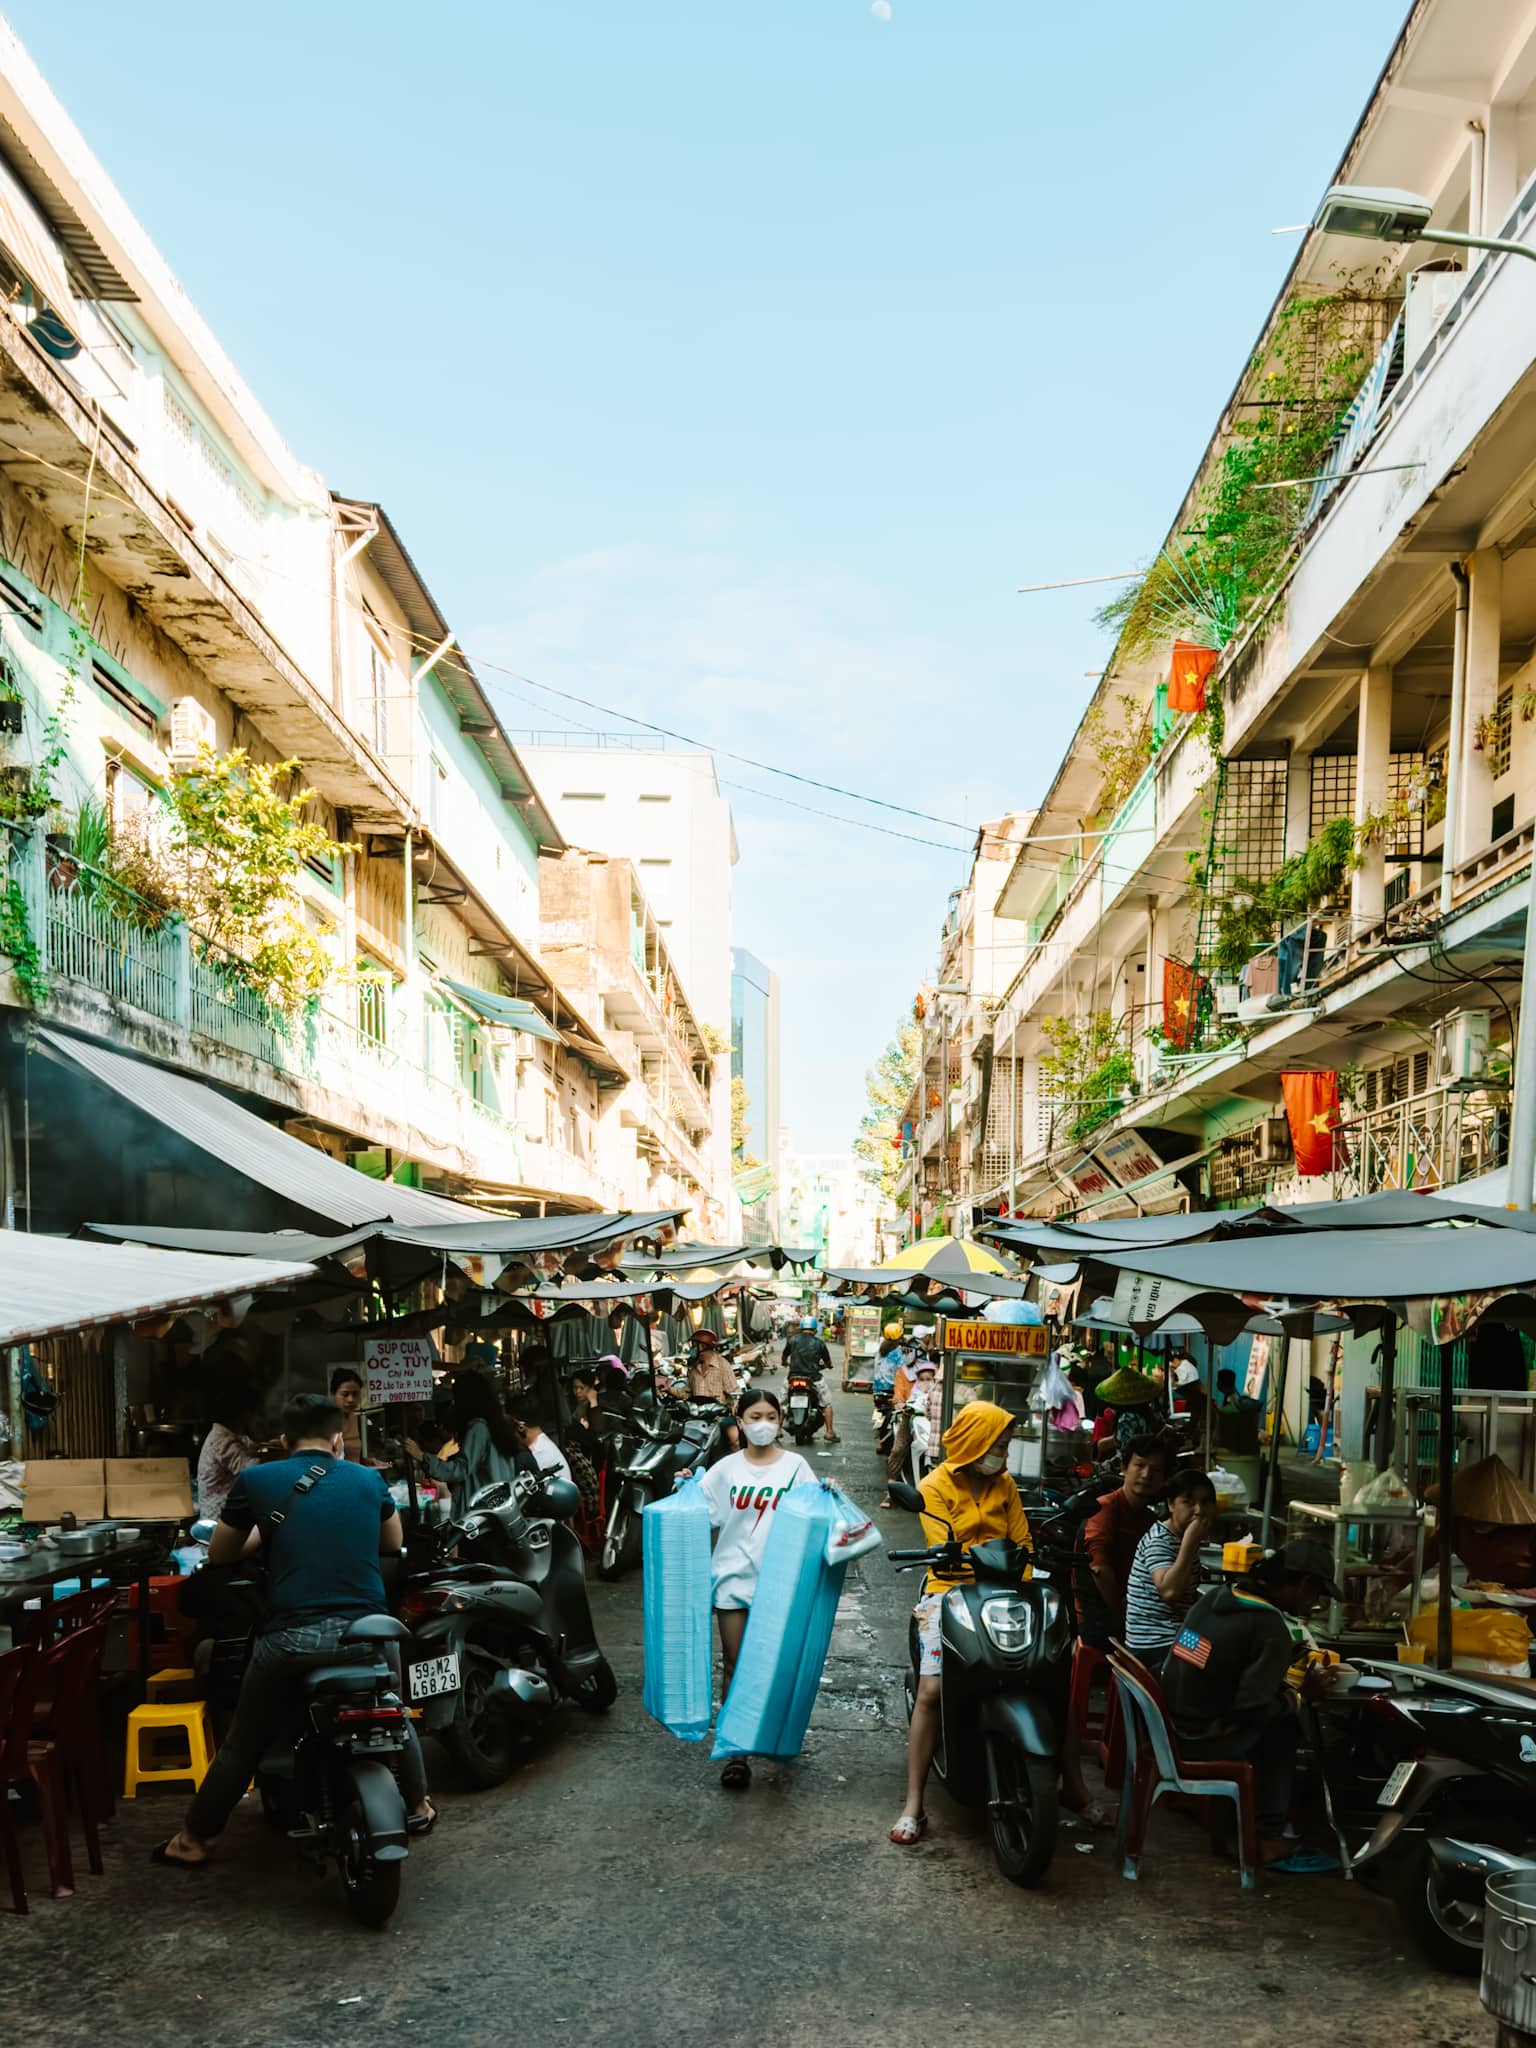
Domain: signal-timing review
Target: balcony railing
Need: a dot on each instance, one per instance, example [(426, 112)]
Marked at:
[(91, 929), (1430, 1140)]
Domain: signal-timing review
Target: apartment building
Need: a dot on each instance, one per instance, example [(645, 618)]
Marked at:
[(659, 805), (955, 1125), (826, 1204), (174, 581), (755, 1086)]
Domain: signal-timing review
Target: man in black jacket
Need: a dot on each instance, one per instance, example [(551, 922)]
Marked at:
[(1225, 1678)]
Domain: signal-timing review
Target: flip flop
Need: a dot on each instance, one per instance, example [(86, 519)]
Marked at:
[(177, 1862), (909, 1830), (1306, 1863), (737, 1775), (421, 1823)]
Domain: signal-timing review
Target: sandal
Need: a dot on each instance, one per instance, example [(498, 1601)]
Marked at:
[(737, 1775), (1306, 1863), (909, 1830), (421, 1823), (162, 1855)]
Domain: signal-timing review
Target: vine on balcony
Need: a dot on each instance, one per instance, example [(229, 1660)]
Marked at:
[(1256, 913), (1087, 1069)]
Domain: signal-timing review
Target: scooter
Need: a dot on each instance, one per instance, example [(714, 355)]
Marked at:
[(802, 1405), (1007, 1645), (687, 1436), (501, 1636), (332, 1787), (1459, 1803)]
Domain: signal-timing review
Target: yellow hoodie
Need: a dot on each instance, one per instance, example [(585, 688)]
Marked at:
[(995, 1511)]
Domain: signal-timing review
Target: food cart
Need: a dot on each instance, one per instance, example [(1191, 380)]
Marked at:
[(1001, 1362), (862, 1322)]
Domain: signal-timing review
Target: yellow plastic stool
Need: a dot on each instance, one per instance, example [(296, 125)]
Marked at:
[(191, 1717), (160, 1678)]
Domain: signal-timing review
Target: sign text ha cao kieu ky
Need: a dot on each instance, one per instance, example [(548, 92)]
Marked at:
[(1012, 1340)]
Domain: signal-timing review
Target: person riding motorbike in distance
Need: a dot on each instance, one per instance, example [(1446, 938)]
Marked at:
[(805, 1352), (710, 1378), (972, 1495)]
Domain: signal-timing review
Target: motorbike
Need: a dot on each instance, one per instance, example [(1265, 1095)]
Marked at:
[(332, 1785), (1007, 1646), (1458, 1803), (503, 1632), (646, 1459), (802, 1404)]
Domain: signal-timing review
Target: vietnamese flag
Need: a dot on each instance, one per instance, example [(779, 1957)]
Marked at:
[(1312, 1111), (1186, 679), (1181, 1003)]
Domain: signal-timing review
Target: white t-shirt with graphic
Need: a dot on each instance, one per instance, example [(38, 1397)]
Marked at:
[(742, 1498)]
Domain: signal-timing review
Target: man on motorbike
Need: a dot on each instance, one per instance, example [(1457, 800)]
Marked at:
[(322, 1525), (805, 1352), (711, 1378)]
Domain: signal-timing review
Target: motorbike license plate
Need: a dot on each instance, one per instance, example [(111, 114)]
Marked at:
[(433, 1676), (1393, 1788), (799, 1404)]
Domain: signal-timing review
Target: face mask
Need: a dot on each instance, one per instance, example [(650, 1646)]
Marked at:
[(992, 1463), (761, 1434)]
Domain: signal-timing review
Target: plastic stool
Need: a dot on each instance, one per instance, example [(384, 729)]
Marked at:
[(173, 1677), (191, 1717)]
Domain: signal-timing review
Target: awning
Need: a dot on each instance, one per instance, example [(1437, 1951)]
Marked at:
[(512, 1236), (29, 242), (236, 1137), (511, 1013), (1342, 1265), (50, 1284)]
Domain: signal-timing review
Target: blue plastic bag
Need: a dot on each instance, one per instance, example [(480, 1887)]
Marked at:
[(675, 1537), (789, 1631)]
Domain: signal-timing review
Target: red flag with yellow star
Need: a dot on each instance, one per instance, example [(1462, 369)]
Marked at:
[(1312, 1111), (1181, 1003), (1186, 677)]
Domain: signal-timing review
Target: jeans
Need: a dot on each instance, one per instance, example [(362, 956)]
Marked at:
[(1270, 1746), (901, 1444), (269, 1693)]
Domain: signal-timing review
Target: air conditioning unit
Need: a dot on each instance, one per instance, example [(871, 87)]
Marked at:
[(192, 729), (1272, 1141), (1461, 1053)]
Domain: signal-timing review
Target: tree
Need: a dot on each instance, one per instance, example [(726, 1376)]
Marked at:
[(741, 1112), (888, 1084)]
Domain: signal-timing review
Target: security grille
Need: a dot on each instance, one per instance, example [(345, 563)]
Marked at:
[(1500, 742), (1333, 796)]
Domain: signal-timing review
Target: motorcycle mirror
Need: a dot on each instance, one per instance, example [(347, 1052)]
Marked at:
[(909, 1498)]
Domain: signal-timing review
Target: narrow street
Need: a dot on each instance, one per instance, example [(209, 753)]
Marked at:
[(613, 1894)]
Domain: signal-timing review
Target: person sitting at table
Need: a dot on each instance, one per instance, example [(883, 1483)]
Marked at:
[(1110, 1538), (1225, 1684), (347, 1393), (1165, 1572), (1493, 1525), (227, 1449), (1227, 1395)]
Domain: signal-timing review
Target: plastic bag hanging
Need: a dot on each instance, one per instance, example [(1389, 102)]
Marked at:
[(675, 1536)]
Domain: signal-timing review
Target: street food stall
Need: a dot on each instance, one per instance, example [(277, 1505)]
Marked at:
[(862, 1323), (1002, 1363)]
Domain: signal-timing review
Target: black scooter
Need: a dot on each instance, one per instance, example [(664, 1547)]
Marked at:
[(332, 1786), (504, 1633), (1007, 1647), (802, 1404), (687, 1436), (1458, 1801)]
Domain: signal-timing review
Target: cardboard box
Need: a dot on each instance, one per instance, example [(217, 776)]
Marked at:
[(148, 1489), (55, 1486)]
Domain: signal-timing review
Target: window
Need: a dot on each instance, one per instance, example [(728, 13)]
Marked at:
[(15, 600), (375, 989), (135, 711), (646, 799), (434, 802), (655, 862), (581, 796), (1500, 740), (133, 803), (1503, 817)]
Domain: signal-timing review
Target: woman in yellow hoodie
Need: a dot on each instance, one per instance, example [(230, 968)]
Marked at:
[(974, 1493)]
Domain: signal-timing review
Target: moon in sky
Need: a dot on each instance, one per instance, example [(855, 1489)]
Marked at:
[(880, 9)]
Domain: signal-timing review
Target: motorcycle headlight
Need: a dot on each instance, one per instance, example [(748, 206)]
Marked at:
[(1009, 1622), (956, 1608)]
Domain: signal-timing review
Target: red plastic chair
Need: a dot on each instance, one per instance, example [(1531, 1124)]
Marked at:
[(51, 1620), (1086, 1661), (26, 1759), (1154, 1767), (70, 1718)]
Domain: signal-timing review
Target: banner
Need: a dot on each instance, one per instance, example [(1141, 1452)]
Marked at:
[(1186, 678), (1312, 1111), (1181, 1003)]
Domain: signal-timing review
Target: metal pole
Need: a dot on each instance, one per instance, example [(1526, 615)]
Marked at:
[(1453, 745), (1210, 1396), (1447, 1474), (1387, 1396), (1276, 1434)]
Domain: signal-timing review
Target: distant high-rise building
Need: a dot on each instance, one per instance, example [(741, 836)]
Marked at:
[(755, 1066), (826, 1203)]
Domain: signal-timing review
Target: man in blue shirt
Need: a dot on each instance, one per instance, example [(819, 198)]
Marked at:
[(322, 1542)]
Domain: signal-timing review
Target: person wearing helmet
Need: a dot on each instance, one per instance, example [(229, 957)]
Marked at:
[(805, 1352)]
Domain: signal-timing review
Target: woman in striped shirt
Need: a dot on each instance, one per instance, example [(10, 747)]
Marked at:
[(1165, 1573)]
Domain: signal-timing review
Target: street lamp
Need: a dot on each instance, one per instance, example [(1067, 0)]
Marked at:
[(1379, 213)]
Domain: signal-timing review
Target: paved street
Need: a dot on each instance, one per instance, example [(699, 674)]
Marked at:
[(613, 1894)]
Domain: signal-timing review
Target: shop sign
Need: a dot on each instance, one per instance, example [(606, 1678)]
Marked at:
[(1014, 1340), (1142, 1300), (398, 1369), (1090, 1179)]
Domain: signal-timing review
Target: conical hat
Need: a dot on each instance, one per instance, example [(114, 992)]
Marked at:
[(1489, 1492), (1128, 1388)]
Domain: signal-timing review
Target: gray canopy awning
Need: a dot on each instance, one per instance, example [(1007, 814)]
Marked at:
[(507, 1236), (511, 1013), (48, 1284), (1344, 1265)]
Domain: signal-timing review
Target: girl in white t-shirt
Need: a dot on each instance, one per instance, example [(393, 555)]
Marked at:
[(743, 1490)]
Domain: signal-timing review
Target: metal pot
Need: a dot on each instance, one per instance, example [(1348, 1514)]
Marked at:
[(1509, 1951), (86, 1542)]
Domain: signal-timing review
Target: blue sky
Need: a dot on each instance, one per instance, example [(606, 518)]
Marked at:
[(733, 364)]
